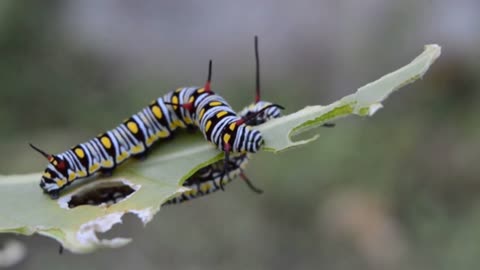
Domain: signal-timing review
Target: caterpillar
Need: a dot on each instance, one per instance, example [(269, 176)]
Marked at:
[(211, 178), (188, 107)]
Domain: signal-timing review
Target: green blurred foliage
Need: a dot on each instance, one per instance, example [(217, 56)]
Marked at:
[(396, 191)]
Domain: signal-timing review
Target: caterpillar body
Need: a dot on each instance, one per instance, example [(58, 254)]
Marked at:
[(187, 107), (211, 178), (207, 180)]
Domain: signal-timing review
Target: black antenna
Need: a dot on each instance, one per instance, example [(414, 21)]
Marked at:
[(257, 72), (47, 156), (209, 77)]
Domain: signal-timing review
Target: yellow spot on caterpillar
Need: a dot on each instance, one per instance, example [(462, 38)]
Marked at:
[(232, 126), (157, 112), (106, 142), (107, 163), (188, 120), (194, 192), (178, 89), (215, 103), (200, 116), (201, 90), (61, 182), (137, 149), (151, 140), (81, 173), (175, 100), (55, 163), (226, 138), (222, 113), (94, 168), (163, 134), (71, 176), (177, 123), (191, 100), (47, 175), (122, 157), (207, 126), (133, 127), (79, 152), (205, 187)]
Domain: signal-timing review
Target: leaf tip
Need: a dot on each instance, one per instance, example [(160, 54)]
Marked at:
[(435, 48)]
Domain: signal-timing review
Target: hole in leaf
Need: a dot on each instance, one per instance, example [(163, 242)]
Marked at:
[(130, 223), (101, 194)]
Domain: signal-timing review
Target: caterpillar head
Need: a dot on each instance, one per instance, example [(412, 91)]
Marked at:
[(262, 111), (246, 139), (54, 177)]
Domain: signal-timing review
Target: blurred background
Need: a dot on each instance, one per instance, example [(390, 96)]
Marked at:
[(396, 191)]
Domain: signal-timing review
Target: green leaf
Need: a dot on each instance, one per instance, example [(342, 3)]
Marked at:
[(365, 102), (24, 209)]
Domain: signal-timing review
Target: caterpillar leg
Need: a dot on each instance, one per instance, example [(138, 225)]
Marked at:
[(192, 129), (250, 184), (107, 172), (142, 156), (54, 194), (229, 166), (226, 162)]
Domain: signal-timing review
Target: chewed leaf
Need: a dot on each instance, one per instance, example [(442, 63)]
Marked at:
[(76, 217), (140, 187), (365, 102)]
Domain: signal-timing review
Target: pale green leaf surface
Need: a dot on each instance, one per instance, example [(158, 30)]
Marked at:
[(24, 209), (365, 102)]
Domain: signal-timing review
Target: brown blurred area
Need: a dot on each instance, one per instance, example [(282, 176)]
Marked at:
[(396, 191)]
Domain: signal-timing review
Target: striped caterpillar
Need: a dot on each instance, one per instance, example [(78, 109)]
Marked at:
[(211, 178), (188, 107)]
